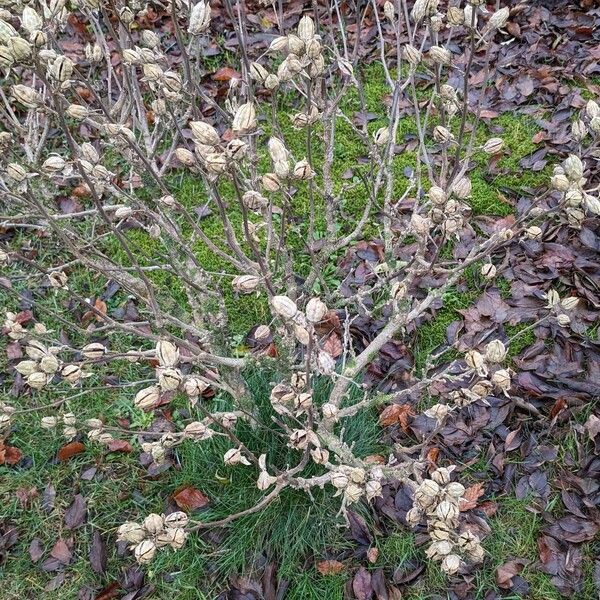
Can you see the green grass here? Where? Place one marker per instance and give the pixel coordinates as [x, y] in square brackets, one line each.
[289, 531]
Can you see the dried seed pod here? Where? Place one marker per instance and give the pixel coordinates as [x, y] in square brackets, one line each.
[185, 157]
[563, 320]
[77, 112]
[302, 335]
[244, 120]
[412, 55]
[49, 422]
[167, 353]
[235, 457]
[216, 162]
[442, 475]
[49, 364]
[262, 333]
[277, 150]
[254, 200]
[455, 16]
[591, 203]
[569, 303]
[467, 540]
[592, 109]
[204, 133]
[300, 439]
[493, 146]
[6, 57]
[573, 168]
[329, 411]
[146, 398]
[314, 49]
[442, 135]
[339, 480]
[150, 39]
[437, 412]
[16, 172]
[446, 511]
[303, 171]
[245, 284]
[71, 373]
[373, 489]
[19, 48]
[36, 350]
[437, 196]
[61, 69]
[284, 72]
[285, 307]
[438, 534]
[169, 378]
[475, 360]
[279, 44]
[462, 188]
[197, 431]
[455, 490]
[430, 488]
[282, 169]
[451, 564]
[534, 232]
[271, 182]
[199, 18]
[165, 537]
[272, 81]
[27, 367]
[502, 380]
[53, 164]
[258, 72]
[296, 46]
[320, 455]
[236, 149]
[414, 516]
[316, 309]
[381, 136]
[144, 552]
[476, 554]
[306, 28]
[579, 130]
[153, 523]
[440, 548]
[495, 351]
[131, 532]
[265, 481]
[30, 20]
[499, 18]
[423, 9]
[440, 55]
[481, 389]
[488, 270]
[37, 380]
[389, 11]
[352, 493]
[94, 423]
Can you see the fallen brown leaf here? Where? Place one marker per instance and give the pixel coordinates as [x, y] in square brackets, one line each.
[472, 494]
[396, 413]
[190, 498]
[330, 567]
[71, 449]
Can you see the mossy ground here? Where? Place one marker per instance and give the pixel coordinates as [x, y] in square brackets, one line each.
[295, 529]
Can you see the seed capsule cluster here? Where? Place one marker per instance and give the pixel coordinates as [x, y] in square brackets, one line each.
[437, 502]
[154, 533]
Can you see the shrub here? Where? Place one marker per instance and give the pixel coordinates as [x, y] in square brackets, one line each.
[112, 124]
